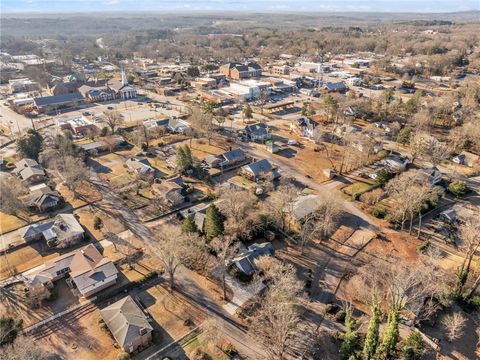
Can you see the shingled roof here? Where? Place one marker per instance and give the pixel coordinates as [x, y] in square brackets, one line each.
[126, 321]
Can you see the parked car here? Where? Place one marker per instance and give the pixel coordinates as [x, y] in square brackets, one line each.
[86, 113]
[292, 142]
[110, 107]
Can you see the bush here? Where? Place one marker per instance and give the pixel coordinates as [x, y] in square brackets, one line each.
[458, 188]
[423, 246]
[383, 176]
[372, 197]
[230, 350]
[123, 356]
[413, 346]
[475, 302]
[379, 212]
[198, 354]
[104, 131]
[331, 308]
[340, 316]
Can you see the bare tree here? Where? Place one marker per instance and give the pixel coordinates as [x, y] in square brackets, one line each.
[278, 318]
[328, 213]
[237, 205]
[10, 193]
[113, 119]
[202, 123]
[174, 249]
[282, 202]
[24, 349]
[454, 325]
[226, 248]
[170, 252]
[404, 192]
[372, 197]
[310, 228]
[73, 172]
[469, 233]
[36, 295]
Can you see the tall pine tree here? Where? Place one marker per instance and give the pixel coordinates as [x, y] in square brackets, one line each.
[213, 222]
[188, 156]
[390, 338]
[371, 338]
[181, 159]
[188, 225]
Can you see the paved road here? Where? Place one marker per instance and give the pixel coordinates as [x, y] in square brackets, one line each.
[186, 287]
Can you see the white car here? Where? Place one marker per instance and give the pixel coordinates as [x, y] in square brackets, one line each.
[292, 142]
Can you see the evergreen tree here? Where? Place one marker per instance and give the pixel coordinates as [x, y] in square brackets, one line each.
[181, 158]
[30, 145]
[390, 337]
[213, 222]
[371, 338]
[188, 225]
[413, 347]
[97, 223]
[349, 339]
[188, 156]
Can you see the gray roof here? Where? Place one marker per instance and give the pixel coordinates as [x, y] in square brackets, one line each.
[338, 86]
[140, 165]
[305, 205]
[126, 321]
[260, 167]
[43, 195]
[27, 168]
[64, 227]
[234, 154]
[257, 129]
[58, 100]
[246, 261]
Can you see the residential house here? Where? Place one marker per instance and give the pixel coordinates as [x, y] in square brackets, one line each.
[343, 130]
[245, 262]
[43, 198]
[239, 71]
[303, 206]
[88, 271]
[105, 144]
[46, 104]
[178, 126]
[257, 132]
[29, 171]
[227, 159]
[306, 126]
[63, 231]
[170, 191]
[259, 170]
[339, 87]
[433, 175]
[467, 158]
[396, 163]
[140, 165]
[153, 124]
[128, 324]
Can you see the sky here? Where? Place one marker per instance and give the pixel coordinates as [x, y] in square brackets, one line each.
[65, 6]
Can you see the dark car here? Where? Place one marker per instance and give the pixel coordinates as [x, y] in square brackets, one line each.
[110, 107]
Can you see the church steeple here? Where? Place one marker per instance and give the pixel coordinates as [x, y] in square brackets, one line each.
[124, 78]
